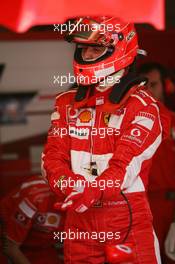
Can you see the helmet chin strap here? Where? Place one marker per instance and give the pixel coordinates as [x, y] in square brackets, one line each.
[102, 86]
[110, 81]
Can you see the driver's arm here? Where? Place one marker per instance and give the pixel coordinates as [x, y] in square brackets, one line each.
[12, 250]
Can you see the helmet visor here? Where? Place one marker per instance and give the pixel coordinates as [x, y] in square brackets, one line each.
[85, 31]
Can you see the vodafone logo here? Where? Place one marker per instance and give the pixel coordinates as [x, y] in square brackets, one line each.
[73, 113]
[124, 248]
[41, 219]
[20, 217]
[136, 135]
[135, 132]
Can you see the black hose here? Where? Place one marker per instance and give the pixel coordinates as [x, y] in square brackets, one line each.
[130, 217]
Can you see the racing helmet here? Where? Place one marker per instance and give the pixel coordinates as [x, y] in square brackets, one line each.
[118, 38]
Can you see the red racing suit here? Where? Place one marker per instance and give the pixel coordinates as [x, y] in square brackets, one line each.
[124, 152]
[161, 188]
[29, 220]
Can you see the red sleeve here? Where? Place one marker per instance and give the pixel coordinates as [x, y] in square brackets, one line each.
[56, 156]
[137, 144]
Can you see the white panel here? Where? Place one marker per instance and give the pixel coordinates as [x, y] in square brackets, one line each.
[31, 65]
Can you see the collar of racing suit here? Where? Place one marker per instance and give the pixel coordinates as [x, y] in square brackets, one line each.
[111, 96]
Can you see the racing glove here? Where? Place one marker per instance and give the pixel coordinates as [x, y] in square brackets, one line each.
[83, 197]
[66, 184]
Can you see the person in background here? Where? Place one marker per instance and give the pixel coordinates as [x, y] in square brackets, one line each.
[28, 223]
[161, 188]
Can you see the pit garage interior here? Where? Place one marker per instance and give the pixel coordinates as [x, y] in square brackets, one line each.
[33, 54]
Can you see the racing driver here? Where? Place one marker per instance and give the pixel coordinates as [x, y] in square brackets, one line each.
[109, 98]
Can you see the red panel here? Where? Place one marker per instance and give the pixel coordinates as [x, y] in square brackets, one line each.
[20, 15]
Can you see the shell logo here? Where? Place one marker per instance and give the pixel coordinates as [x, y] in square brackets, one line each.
[52, 219]
[85, 116]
